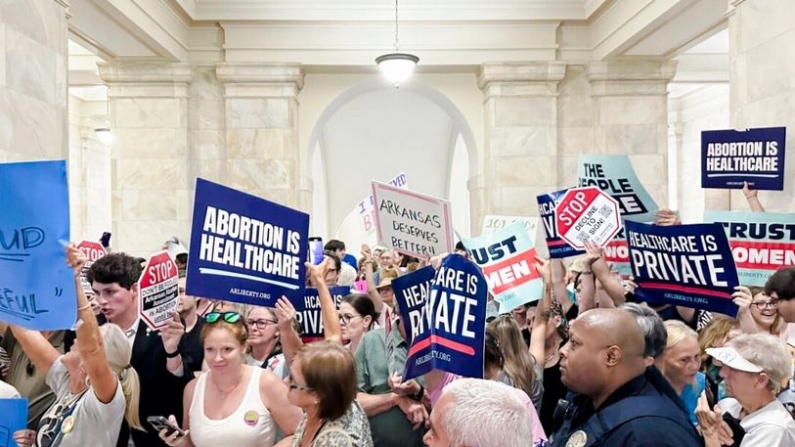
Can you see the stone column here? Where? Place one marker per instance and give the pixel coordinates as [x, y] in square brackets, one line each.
[148, 109]
[33, 88]
[520, 152]
[261, 110]
[762, 82]
[630, 116]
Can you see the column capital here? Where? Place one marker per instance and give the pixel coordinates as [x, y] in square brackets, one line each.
[146, 79]
[521, 78]
[636, 78]
[265, 79]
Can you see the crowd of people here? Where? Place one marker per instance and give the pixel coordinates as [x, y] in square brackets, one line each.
[586, 365]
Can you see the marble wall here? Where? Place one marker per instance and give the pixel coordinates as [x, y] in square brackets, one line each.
[33, 87]
[762, 81]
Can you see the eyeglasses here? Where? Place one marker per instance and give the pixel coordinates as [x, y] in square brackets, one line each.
[761, 305]
[295, 386]
[261, 324]
[229, 317]
[345, 319]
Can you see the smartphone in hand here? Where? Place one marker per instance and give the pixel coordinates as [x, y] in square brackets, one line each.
[159, 423]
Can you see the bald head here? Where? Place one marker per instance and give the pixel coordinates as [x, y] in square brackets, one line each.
[614, 327]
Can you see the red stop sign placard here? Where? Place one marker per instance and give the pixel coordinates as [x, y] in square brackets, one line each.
[158, 290]
[587, 214]
[92, 251]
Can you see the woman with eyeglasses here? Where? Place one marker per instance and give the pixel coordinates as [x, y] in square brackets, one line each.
[357, 316]
[323, 384]
[95, 386]
[263, 340]
[759, 313]
[232, 404]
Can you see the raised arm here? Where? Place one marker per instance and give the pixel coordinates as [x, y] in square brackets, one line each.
[92, 349]
[753, 200]
[601, 271]
[369, 276]
[291, 342]
[328, 310]
[539, 332]
[557, 284]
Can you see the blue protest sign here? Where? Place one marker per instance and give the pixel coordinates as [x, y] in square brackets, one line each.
[37, 287]
[684, 265]
[761, 242]
[15, 417]
[508, 261]
[246, 249]
[448, 329]
[731, 157]
[310, 318]
[558, 248]
[411, 294]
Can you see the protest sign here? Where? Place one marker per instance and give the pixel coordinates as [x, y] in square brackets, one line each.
[310, 318]
[246, 249]
[587, 214]
[684, 265]
[558, 248]
[731, 157]
[447, 330]
[92, 251]
[508, 261]
[14, 418]
[493, 223]
[158, 290]
[38, 288]
[761, 242]
[412, 223]
[412, 291]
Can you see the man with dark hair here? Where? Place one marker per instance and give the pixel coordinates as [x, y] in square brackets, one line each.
[155, 356]
[781, 287]
[333, 272]
[349, 268]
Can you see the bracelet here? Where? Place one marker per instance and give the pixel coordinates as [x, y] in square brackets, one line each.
[418, 395]
[87, 306]
[589, 272]
[171, 355]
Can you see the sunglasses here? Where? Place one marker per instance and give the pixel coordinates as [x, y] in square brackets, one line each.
[228, 317]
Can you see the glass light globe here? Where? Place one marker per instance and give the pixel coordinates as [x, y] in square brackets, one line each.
[397, 67]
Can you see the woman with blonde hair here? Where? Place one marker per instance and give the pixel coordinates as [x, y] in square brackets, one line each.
[95, 386]
[680, 363]
[520, 367]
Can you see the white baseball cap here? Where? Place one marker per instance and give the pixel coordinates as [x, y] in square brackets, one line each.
[731, 358]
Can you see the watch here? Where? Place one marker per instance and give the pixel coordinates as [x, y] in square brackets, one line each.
[418, 395]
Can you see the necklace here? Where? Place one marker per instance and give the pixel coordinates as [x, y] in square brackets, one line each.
[226, 393]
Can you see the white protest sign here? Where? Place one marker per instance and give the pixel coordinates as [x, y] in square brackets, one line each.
[158, 290]
[412, 223]
[493, 223]
[92, 251]
[587, 214]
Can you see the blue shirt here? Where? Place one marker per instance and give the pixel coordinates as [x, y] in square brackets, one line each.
[691, 393]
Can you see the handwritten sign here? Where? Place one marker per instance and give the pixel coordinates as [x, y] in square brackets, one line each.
[761, 243]
[508, 261]
[37, 288]
[92, 251]
[158, 290]
[366, 206]
[246, 249]
[447, 324]
[311, 318]
[558, 248]
[412, 223]
[493, 223]
[14, 417]
[685, 265]
[731, 157]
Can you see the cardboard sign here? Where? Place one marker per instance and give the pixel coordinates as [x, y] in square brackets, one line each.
[246, 249]
[311, 318]
[684, 265]
[412, 223]
[366, 207]
[15, 418]
[731, 157]
[587, 214]
[558, 248]
[92, 251]
[508, 261]
[493, 223]
[761, 242]
[38, 288]
[448, 329]
[158, 290]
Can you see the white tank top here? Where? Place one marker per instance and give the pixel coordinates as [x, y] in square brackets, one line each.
[250, 425]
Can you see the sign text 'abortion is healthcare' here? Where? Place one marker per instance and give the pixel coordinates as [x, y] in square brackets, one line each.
[731, 157]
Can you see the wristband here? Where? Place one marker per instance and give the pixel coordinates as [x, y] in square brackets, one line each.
[418, 395]
[171, 355]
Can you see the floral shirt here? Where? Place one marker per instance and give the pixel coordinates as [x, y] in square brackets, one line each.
[351, 430]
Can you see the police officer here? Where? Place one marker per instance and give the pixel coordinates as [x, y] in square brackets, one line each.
[614, 405]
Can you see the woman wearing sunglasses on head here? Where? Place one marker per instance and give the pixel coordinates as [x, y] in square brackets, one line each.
[94, 384]
[323, 384]
[233, 404]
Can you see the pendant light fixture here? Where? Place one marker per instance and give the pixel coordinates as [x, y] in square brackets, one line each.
[397, 67]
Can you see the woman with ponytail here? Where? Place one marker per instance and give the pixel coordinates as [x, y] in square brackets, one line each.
[95, 386]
